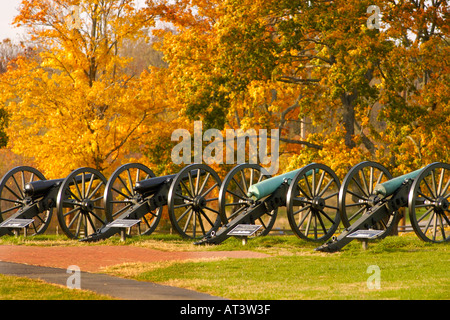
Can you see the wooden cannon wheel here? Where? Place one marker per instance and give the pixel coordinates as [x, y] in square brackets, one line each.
[120, 195]
[13, 198]
[79, 204]
[428, 203]
[312, 203]
[357, 195]
[193, 201]
[233, 198]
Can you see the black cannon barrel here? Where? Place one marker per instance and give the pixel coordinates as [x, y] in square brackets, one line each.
[41, 187]
[153, 184]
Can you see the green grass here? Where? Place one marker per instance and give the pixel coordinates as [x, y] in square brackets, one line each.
[18, 288]
[409, 268]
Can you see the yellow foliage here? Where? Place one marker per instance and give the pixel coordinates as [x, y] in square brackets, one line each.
[71, 105]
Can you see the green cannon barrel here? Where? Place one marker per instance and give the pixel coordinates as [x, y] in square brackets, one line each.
[388, 188]
[267, 187]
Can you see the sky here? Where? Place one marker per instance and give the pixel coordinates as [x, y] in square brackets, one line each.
[8, 10]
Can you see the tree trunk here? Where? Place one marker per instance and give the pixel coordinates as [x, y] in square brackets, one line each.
[348, 116]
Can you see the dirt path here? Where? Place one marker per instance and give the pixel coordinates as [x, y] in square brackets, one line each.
[93, 258]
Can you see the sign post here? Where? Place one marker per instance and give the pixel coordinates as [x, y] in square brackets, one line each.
[244, 231]
[123, 224]
[17, 224]
[365, 235]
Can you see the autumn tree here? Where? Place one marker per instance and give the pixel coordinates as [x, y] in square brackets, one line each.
[415, 82]
[73, 104]
[9, 51]
[317, 65]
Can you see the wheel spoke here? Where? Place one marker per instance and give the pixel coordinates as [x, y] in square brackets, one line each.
[71, 211]
[186, 225]
[91, 181]
[425, 214]
[360, 187]
[209, 190]
[197, 182]
[365, 182]
[325, 188]
[187, 189]
[75, 218]
[18, 188]
[442, 227]
[130, 181]
[204, 183]
[183, 196]
[300, 210]
[441, 179]
[244, 181]
[444, 190]
[115, 214]
[302, 220]
[235, 194]
[11, 200]
[357, 213]
[182, 205]
[240, 187]
[356, 195]
[305, 178]
[326, 216]
[183, 214]
[206, 217]
[319, 184]
[380, 177]
[10, 190]
[235, 213]
[121, 193]
[191, 184]
[96, 216]
[324, 229]
[95, 191]
[130, 194]
[371, 180]
[80, 195]
[211, 209]
[429, 189]
[9, 209]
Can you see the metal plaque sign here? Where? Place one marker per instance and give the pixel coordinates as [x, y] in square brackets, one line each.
[124, 223]
[365, 234]
[16, 223]
[244, 230]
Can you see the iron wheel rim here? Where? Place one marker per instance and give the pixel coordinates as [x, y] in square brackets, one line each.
[318, 200]
[430, 192]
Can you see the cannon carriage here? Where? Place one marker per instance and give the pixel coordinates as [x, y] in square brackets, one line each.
[27, 201]
[249, 196]
[370, 200]
[135, 200]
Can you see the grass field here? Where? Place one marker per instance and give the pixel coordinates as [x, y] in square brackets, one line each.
[18, 288]
[399, 268]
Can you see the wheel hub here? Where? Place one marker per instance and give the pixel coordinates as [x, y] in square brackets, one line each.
[87, 205]
[442, 204]
[318, 203]
[199, 203]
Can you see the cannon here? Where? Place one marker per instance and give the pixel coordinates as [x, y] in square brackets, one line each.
[27, 201]
[249, 196]
[370, 199]
[135, 198]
